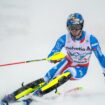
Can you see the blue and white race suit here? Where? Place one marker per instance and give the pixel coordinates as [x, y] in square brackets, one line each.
[78, 55]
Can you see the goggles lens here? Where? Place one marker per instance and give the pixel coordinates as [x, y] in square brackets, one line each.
[75, 27]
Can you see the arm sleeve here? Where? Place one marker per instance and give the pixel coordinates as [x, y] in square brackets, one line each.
[60, 43]
[97, 51]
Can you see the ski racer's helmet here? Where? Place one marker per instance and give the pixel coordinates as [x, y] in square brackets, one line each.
[75, 21]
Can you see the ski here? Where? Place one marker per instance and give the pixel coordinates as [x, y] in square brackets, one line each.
[28, 101]
[76, 89]
[69, 91]
[37, 88]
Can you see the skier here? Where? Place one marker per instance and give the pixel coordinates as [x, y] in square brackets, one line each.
[79, 45]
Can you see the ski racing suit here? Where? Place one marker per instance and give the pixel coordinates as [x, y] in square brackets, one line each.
[78, 55]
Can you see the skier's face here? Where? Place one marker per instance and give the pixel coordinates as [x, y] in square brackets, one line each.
[75, 30]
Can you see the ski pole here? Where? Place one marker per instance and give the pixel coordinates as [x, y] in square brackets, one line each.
[56, 56]
[22, 62]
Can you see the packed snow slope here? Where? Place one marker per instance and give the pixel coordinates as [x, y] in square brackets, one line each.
[29, 29]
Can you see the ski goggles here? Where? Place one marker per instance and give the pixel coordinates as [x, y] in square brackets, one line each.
[75, 27]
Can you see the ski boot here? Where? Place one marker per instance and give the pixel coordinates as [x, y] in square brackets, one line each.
[28, 88]
[53, 84]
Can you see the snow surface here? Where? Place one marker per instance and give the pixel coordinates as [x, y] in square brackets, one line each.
[29, 29]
